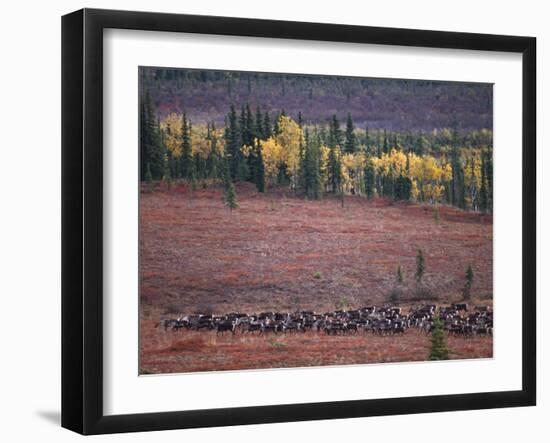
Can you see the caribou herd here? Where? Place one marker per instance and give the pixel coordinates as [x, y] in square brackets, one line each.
[457, 319]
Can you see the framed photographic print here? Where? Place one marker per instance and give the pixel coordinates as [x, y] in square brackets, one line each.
[270, 221]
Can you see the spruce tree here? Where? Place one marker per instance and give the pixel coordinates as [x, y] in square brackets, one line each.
[186, 158]
[334, 165]
[334, 169]
[151, 146]
[267, 126]
[469, 276]
[489, 167]
[350, 144]
[232, 144]
[250, 128]
[335, 133]
[386, 146]
[230, 197]
[457, 181]
[260, 168]
[303, 157]
[149, 178]
[483, 190]
[144, 161]
[212, 161]
[312, 165]
[473, 186]
[399, 275]
[420, 266]
[439, 350]
[258, 126]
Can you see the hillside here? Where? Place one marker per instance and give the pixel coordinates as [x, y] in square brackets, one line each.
[281, 253]
[377, 103]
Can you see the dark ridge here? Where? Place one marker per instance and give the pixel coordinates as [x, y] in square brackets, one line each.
[393, 104]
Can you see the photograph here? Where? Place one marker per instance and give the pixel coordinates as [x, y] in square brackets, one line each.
[296, 220]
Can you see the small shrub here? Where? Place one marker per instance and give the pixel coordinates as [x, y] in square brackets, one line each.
[439, 350]
[317, 275]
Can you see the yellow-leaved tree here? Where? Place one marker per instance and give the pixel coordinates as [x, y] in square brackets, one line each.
[283, 151]
[273, 155]
[290, 137]
[428, 178]
[172, 130]
[353, 166]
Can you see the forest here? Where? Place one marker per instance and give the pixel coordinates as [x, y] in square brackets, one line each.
[312, 159]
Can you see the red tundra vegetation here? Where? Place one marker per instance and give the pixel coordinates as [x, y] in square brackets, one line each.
[280, 252]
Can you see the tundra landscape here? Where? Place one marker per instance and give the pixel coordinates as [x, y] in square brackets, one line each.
[273, 238]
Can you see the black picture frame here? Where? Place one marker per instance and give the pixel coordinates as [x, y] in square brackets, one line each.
[82, 218]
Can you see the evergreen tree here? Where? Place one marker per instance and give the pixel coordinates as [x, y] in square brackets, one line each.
[489, 175]
[386, 146]
[312, 165]
[150, 138]
[483, 193]
[230, 197]
[396, 144]
[334, 165]
[335, 133]
[399, 275]
[469, 168]
[457, 181]
[403, 186]
[334, 169]
[186, 158]
[267, 126]
[258, 126]
[420, 266]
[486, 185]
[232, 144]
[260, 168]
[350, 144]
[467, 290]
[303, 154]
[149, 178]
[439, 350]
[250, 129]
[213, 159]
[144, 166]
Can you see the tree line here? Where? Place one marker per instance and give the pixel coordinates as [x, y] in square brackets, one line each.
[273, 149]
